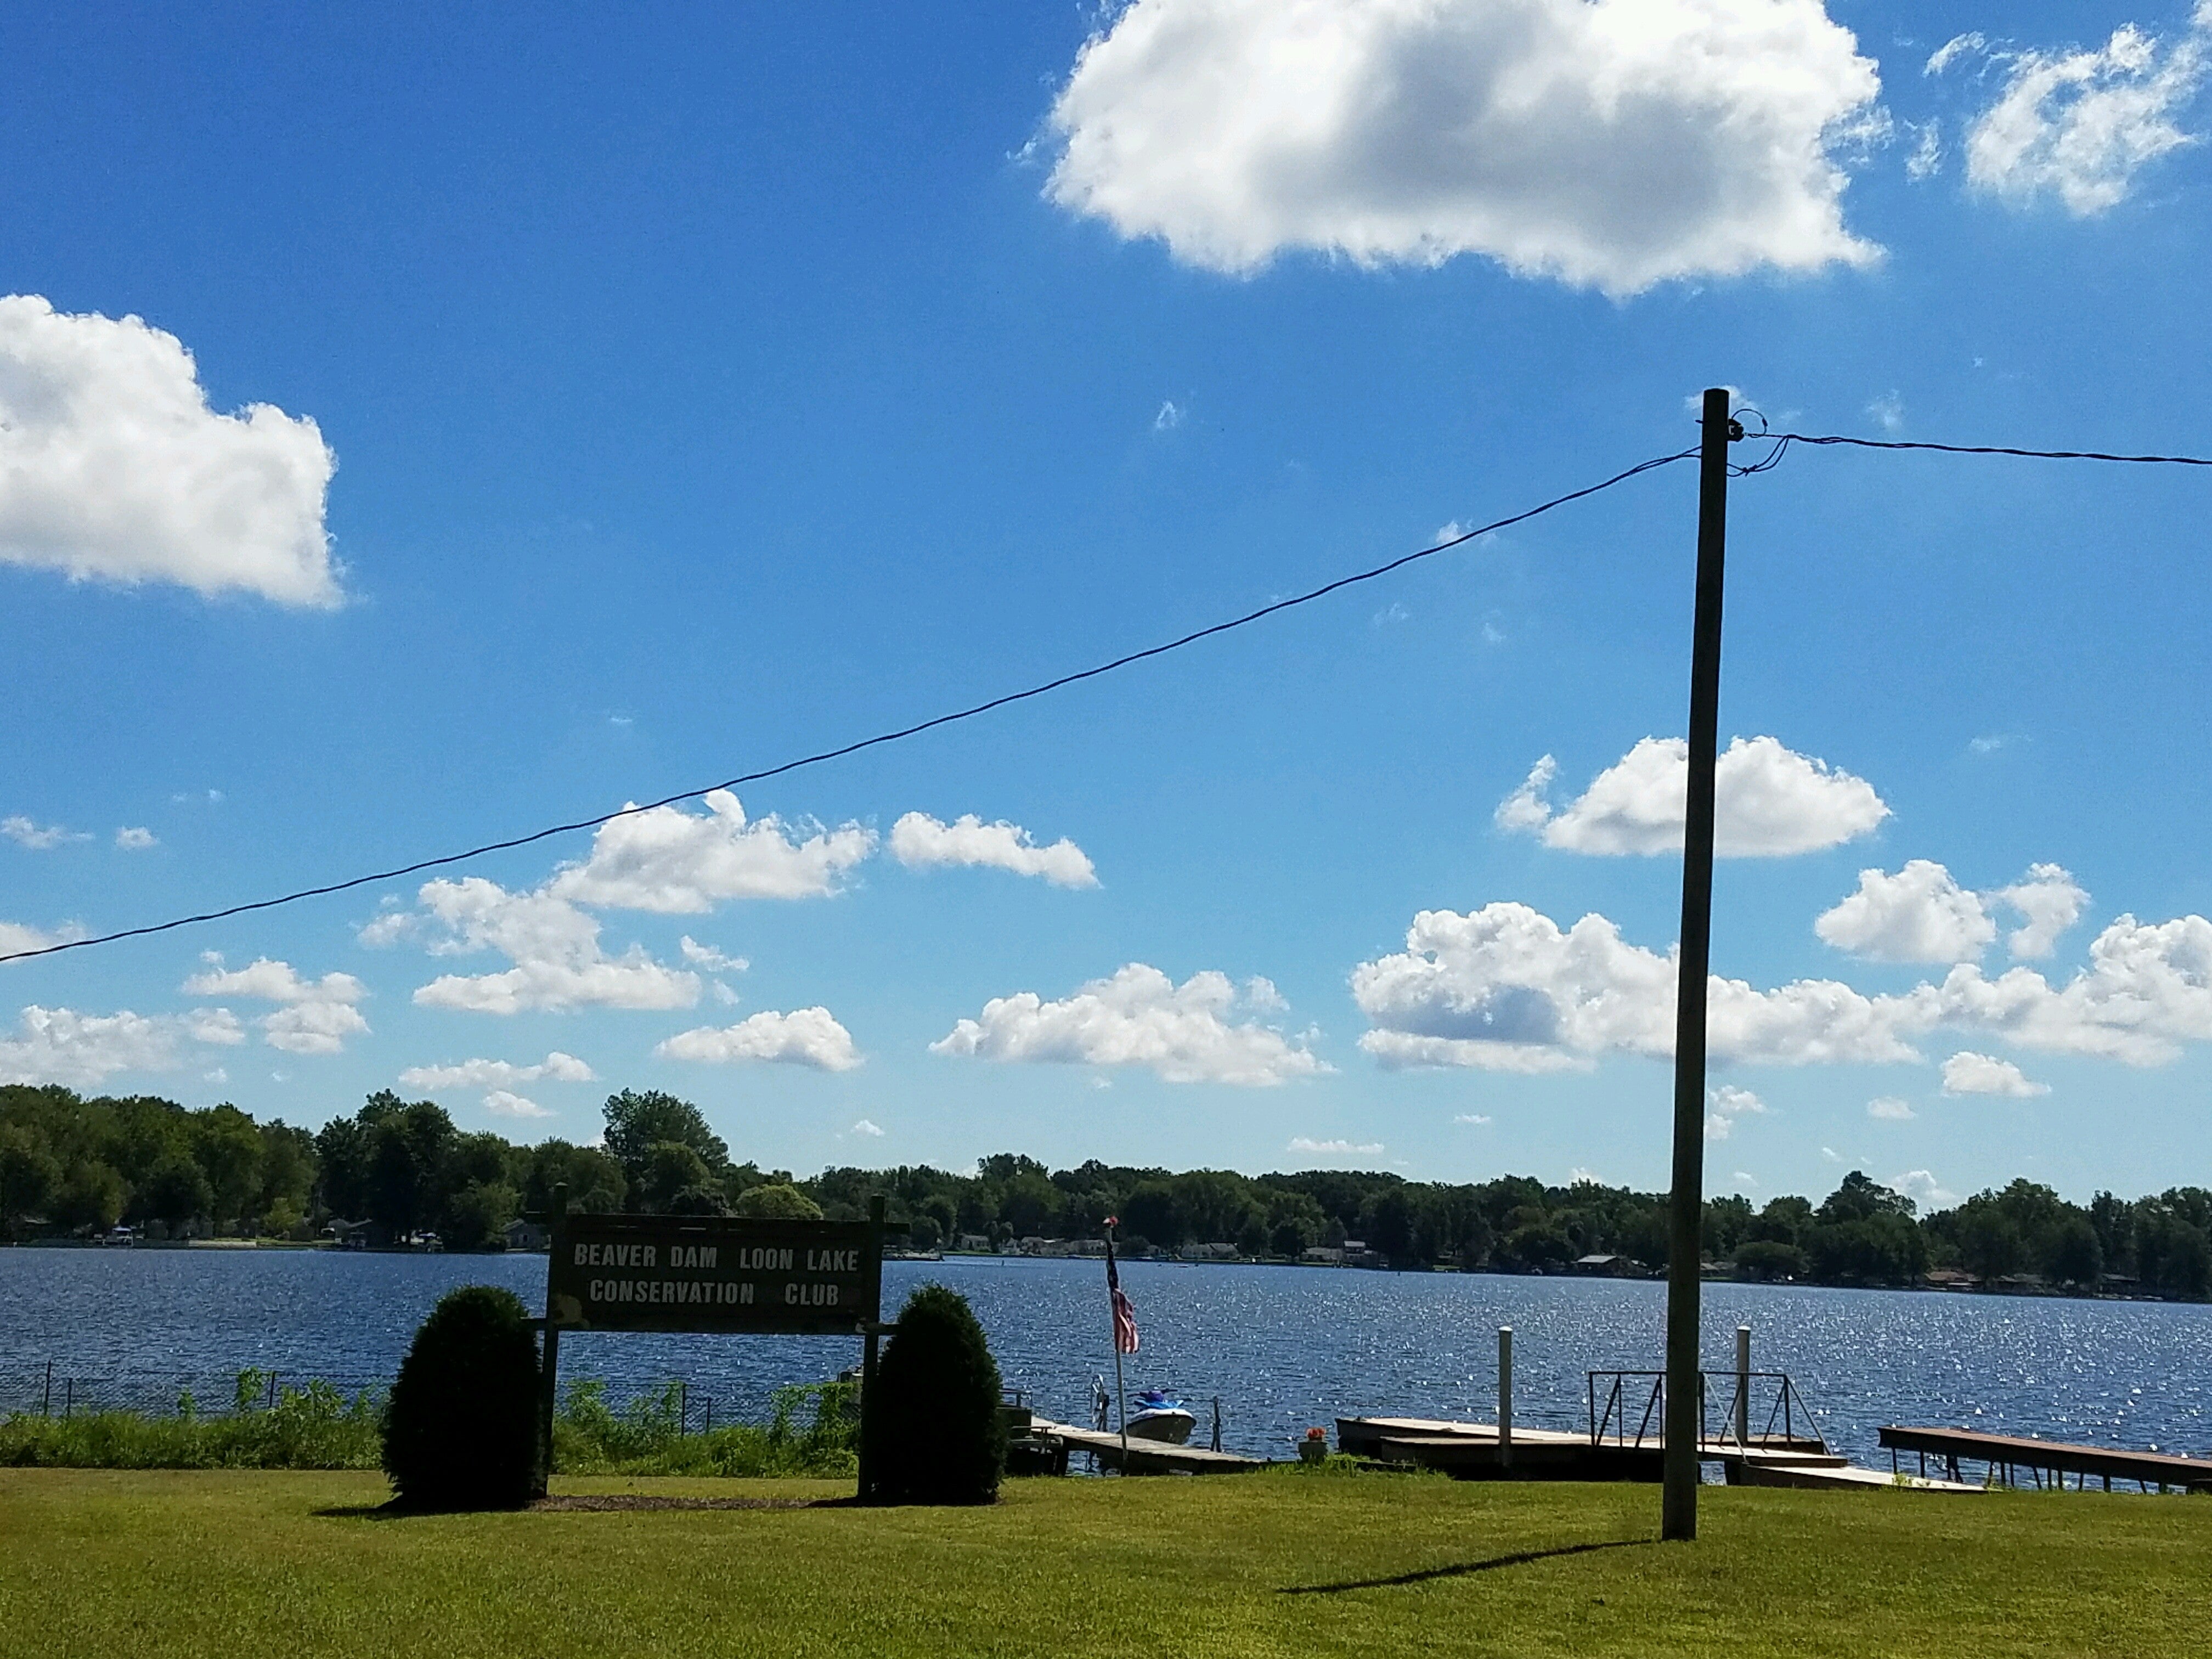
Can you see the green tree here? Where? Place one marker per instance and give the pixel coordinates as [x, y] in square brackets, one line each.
[776, 1202]
[671, 1168]
[938, 1437]
[177, 1192]
[90, 1197]
[29, 1177]
[476, 1217]
[460, 1429]
[638, 1122]
[227, 1147]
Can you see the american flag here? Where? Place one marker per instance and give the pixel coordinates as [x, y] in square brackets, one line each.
[1125, 1316]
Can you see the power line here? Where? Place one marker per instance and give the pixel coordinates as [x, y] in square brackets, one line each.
[1781, 441]
[881, 738]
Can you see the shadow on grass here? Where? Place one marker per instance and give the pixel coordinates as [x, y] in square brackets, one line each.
[1461, 1569]
[598, 1503]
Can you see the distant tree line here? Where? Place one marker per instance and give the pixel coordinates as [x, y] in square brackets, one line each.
[73, 1165]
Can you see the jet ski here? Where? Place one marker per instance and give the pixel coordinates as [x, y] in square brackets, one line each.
[1160, 1417]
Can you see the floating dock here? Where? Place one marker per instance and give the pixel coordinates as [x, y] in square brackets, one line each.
[1143, 1456]
[2047, 1462]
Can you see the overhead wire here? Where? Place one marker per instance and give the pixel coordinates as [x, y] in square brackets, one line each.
[969, 712]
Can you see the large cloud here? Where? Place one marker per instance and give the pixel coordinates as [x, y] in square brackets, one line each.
[684, 863]
[1922, 914]
[1506, 989]
[1768, 802]
[315, 1016]
[805, 1037]
[920, 841]
[1969, 1073]
[114, 468]
[559, 963]
[1918, 915]
[1609, 143]
[1185, 1033]
[81, 1051]
[2080, 124]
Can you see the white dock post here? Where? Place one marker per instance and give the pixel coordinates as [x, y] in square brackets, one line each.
[1505, 1395]
[1743, 1386]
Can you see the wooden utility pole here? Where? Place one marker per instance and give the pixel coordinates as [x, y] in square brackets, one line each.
[1686, 1203]
[549, 1362]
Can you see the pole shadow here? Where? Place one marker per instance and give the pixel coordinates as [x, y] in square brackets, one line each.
[1461, 1569]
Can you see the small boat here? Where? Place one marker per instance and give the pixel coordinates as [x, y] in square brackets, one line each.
[1160, 1417]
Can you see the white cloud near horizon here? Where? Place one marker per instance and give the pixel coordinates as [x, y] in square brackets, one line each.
[1313, 1148]
[559, 963]
[920, 841]
[1922, 914]
[677, 862]
[1768, 801]
[81, 1051]
[1924, 1190]
[805, 1037]
[113, 467]
[1140, 1016]
[2078, 125]
[315, 1016]
[1505, 989]
[503, 1102]
[1969, 1073]
[497, 1073]
[1611, 144]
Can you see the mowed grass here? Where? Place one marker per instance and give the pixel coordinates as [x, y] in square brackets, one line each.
[279, 1565]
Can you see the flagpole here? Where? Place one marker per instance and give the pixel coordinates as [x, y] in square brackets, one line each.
[1114, 1335]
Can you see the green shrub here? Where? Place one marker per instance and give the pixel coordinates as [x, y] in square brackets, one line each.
[312, 1428]
[460, 1431]
[938, 1436]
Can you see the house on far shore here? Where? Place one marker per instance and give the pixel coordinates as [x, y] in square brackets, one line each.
[1322, 1255]
[1950, 1278]
[526, 1235]
[1605, 1266]
[974, 1244]
[1208, 1253]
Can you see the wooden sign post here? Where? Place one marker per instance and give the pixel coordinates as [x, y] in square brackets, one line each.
[733, 1275]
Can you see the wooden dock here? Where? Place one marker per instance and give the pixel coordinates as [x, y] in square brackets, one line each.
[1144, 1456]
[1472, 1451]
[2048, 1462]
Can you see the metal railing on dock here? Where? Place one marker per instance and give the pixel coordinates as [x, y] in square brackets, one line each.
[1771, 1400]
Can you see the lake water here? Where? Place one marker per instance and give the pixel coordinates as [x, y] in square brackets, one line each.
[1283, 1348]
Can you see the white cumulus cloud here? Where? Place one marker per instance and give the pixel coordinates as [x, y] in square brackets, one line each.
[113, 467]
[559, 963]
[874, 1131]
[81, 1051]
[502, 1103]
[1729, 1103]
[1768, 801]
[1969, 1073]
[1924, 1190]
[2080, 124]
[17, 936]
[805, 1037]
[677, 862]
[1890, 1110]
[497, 1073]
[2051, 900]
[1607, 143]
[316, 1015]
[709, 958]
[1185, 1033]
[1505, 989]
[132, 840]
[920, 842]
[1922, 914]
[1313, 1148]
[1918, 915]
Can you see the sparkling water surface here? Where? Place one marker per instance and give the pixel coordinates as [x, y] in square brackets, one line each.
[1283, 1348]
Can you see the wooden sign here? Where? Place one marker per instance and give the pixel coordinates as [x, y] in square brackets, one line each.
[669, 1272]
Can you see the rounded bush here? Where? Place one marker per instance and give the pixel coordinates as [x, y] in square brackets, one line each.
[460, 1431]
[938, 1437]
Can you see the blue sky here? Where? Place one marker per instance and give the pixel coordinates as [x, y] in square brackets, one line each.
[722, 384]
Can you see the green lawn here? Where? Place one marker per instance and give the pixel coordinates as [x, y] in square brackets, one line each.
[266, 1566]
